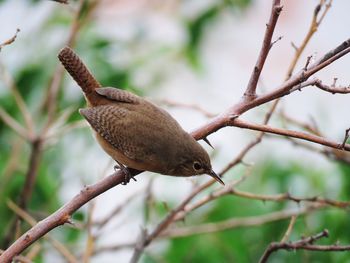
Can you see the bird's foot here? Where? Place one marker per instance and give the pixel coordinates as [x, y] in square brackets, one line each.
[126, 172]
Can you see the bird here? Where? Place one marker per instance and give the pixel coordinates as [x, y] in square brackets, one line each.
[136, 133]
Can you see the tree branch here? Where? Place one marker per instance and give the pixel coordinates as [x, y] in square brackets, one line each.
[250, 92]
[62, 215]
[237, 222]
[305, 244]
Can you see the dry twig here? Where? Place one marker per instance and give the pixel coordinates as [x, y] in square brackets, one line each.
[10, 40]
[304, 244]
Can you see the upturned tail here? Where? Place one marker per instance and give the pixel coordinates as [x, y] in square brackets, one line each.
[80, 73]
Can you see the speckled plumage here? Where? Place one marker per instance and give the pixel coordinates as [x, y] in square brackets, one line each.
[141, 131]
[135, 132]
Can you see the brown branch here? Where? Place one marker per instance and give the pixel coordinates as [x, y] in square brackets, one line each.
[10, 83]
[294, 81]
[315, 23]
[298, 51]
[230, 190]
[55, 243]
[290, 133]
[28, 186]
[62, 215]
[304, 244]
[10, 40]
[61, 1]
[286, 235]
[13, 124]
[20, 259]
[32, 171]
[332, 89]
[346, 137]
[318, 83]
[113, 248]
[250, 92]
[236, 222]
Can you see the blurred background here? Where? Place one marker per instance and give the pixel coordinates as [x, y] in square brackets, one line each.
[194, 58]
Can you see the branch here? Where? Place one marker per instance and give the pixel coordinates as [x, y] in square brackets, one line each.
[318, 83]
[332, 89]
[62, 215]
[28, 119]
[30, 177]
[290, 133]
[55, 243]
[305, 244]
[230, 190]
[13, 124]
[250, 92]
[315, 23]
[237, 222]
[286, 235]
[11, 40]
[20, 259]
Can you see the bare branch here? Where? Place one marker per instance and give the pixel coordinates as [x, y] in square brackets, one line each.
[250, 92]
[314, 25]
[13, 124]
[289, 133]
[62, 215]
[10, 40]
[20, 259]
[55, 243]
[19, 100]
[305, 244]
[332, 89]
[346, 137]
[236, 222]
[286, 235]
[61, 1]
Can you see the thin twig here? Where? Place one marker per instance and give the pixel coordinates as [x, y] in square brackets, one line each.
[13, 124]
[304, 244]
[293, 134]
[250, 92]
[236, 222]
[286, 235]
[314, 25]
[10, 40]
[19, 100]
[346, 137]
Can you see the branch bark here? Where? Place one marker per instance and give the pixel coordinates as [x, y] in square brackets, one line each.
[304, 244]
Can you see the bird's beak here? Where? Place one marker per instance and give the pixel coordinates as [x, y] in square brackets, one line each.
[216, 177]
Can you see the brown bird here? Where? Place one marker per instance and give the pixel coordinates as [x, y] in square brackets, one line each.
[133, 131]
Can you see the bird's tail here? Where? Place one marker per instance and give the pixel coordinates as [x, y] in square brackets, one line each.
[80, 73]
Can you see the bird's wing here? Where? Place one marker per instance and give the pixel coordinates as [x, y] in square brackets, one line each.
[118, 95]
[126, 130]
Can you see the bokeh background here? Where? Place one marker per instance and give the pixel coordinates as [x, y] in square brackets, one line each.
[193, 52]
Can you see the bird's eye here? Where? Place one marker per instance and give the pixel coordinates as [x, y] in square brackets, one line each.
[197, 166]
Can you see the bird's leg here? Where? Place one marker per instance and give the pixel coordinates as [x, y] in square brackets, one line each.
[126, 172]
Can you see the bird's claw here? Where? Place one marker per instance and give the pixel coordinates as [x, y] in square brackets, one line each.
[126, 172]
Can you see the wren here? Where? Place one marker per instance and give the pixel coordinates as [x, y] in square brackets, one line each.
[136, 133]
